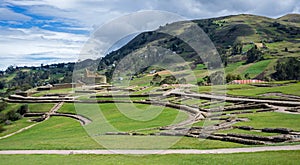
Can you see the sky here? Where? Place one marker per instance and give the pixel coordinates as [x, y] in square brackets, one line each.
[33, 32]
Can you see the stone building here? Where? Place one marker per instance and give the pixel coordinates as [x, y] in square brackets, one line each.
[93, 78]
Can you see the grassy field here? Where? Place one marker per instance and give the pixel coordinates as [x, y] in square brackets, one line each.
[66, 133]
[55, 133]
[11, 106]
[250, 90]
[67, 108]
[194, 143]
[15, 126]
[115, 117]
[35, 107]
[137, 116]
[233, 66]
[256, 68]
[273, 157]
[54, 91]
[271, 120]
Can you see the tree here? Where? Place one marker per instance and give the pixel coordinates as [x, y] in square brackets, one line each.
[254, 55]
[247, 76]
[231, 77]
[237, 48]
[3, 105]
[169, 80]
[155, 80]
[201, 82]
[13, 116]
[2, 84]
[287, 69]
[182, 81]
[216, 78]
[23, 109]
[10, 69]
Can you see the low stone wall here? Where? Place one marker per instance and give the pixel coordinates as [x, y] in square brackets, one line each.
[277, 130]
[245, 106]
[18, 97]
[118, 95]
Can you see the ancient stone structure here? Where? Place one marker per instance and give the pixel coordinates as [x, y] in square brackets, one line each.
[93, 78]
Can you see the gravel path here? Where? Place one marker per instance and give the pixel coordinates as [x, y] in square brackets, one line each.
[150, 152]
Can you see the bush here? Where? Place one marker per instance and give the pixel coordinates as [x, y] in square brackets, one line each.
[231, 77]
[3, 118]
[254, 55]
[155, 80]
[3, 105]
[169, 80]
[1, 128]
[23, 109]
[13, 115]
[287, 69]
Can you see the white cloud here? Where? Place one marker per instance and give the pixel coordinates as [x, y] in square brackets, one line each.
[35, 46]
[8, 15]
[22, 44]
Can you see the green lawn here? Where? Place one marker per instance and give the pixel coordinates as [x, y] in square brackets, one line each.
[127, 117]
[54, 91]
[195, 143]
[249, 90]
[55, 133]
[67, 108]
[66, 133]
[11, 106]
[271, 157]
[15, 126]
[37, 107]
[271, 120]
[114, 116]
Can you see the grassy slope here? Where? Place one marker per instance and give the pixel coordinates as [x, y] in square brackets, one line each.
[55, 133]
[248, 90]
[36, 107]
[256, 68]
[123, 123]
[274, 157]
[272, 120]
[54, 91]
[15, 126]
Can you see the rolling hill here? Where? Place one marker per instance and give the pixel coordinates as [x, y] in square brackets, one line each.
[233, 36]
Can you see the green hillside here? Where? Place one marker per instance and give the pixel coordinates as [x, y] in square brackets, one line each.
[241, 40]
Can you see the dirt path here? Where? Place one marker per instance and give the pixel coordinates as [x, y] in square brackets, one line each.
[281, 109]
[20, 130]
[150, 152]
[53, 110]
